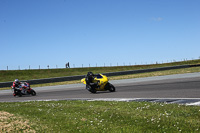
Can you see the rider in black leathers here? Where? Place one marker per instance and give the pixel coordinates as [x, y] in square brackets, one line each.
[89, 80]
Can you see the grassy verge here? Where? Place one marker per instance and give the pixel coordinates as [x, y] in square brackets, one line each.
[158, 73]
[83, 116]
[50, 73]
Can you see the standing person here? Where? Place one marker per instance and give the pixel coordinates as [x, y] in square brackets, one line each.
[68, 65]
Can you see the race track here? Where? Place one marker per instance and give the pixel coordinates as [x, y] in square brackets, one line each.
[181, 86]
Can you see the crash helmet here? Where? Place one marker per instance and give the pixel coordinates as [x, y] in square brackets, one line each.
[16, 81]
[90, 74]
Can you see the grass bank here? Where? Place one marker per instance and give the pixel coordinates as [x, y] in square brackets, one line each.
[50, 73]
[141, 75]
[100, 116]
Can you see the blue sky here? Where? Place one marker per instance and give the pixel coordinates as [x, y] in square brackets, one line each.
[53, 32]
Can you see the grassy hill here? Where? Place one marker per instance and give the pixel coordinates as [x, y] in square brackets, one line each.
[10, 75]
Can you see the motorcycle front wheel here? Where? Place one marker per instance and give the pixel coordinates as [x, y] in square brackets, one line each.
[112, 88]
[33, 93]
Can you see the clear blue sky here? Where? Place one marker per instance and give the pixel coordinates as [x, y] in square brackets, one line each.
[53, 32]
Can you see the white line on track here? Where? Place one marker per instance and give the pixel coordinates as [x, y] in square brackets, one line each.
[182, 101]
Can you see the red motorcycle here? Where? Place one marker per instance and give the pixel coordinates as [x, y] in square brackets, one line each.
[23, 89]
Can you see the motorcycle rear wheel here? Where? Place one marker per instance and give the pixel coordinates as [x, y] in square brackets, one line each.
[93, 91]
[17, 93]
[89, 88]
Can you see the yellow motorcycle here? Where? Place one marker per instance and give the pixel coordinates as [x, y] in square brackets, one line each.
[102, 84]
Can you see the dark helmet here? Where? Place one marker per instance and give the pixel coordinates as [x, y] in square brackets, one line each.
[90, 74]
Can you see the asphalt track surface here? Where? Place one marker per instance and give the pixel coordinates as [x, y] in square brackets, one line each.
[182, 87]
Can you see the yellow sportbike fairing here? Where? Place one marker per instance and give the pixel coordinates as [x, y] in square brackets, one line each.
[103, 83]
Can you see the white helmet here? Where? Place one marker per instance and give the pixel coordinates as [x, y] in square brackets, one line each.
[16, 81]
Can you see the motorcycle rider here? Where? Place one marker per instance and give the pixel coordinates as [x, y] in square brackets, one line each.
[89, 80]
[17, 83]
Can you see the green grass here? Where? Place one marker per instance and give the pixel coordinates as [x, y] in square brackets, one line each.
[100, 116]
[83, 116]
[50, 73]
[148, 74]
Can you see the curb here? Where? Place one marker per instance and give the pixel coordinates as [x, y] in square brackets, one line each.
[180, 101]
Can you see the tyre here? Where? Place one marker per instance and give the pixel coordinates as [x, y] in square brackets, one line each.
[89, 88]
[112, 88]
[33, 93]
[18, 93]
[93, 91]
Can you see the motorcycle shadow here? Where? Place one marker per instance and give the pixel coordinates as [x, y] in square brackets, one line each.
[24, 96]
[102, 92]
